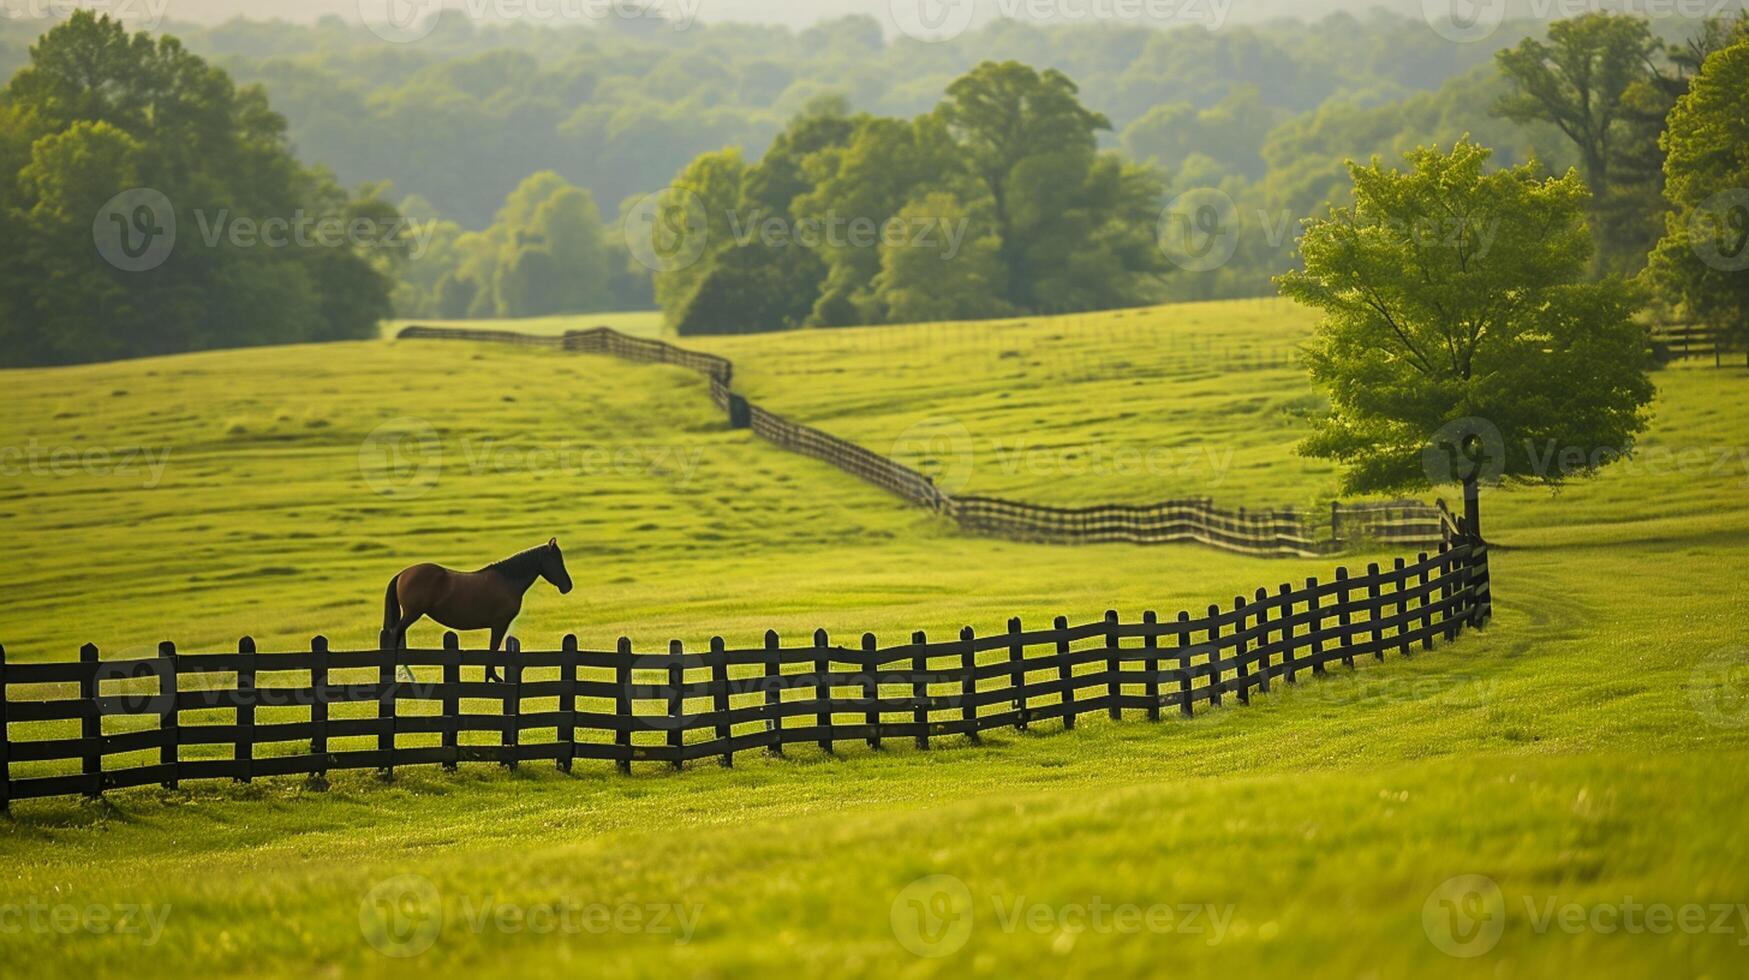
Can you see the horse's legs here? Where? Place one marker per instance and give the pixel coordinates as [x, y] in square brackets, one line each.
[497, 638]
[407, 621]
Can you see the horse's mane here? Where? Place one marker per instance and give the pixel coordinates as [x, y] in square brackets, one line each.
[523, 563]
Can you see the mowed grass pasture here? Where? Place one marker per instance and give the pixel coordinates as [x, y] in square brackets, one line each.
[1588, 748]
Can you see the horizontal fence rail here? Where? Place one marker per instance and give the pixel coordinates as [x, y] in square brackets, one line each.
[1258, 533]
[92, 725]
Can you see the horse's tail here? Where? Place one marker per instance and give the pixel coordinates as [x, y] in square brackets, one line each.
[391, 606]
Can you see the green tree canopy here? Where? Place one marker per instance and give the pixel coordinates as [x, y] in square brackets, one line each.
[99, 112]
[1452, 294]
[1703, 259]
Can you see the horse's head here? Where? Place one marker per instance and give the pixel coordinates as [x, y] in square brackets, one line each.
[552, 567]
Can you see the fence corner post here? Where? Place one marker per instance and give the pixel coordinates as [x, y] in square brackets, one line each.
[823, 689]
[1017, 673]
[1185, 699]
[387, 655]
[452, 700]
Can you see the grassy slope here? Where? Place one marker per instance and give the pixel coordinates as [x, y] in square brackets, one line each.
[1561, 753]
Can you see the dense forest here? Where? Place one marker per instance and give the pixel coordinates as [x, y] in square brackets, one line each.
[521, 150]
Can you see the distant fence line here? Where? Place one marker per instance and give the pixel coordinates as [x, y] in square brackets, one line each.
[1680, 341]
[1257, 533]
[676, 706]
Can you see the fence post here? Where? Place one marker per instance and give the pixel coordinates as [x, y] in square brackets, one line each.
[920, 687]
[318, 710]
[1214, 631]
[1447, 590]
[676, 700]
[1065, 672]
[1151, 643]
[1283, 627]
[1185, 707]
[169, 751]
[1373, 598]
[90, 722]
[1315, 613]
[1344, 617]
[1239, 651]
[5, 743]
[1113, 668]
[969, 684]
[773, 695]
[622, 706]
[567, 733]
[872, 691]
[452, 700]
[245, 750]
[720, 696]
[1402, 607]
[1426, 604]
[1017, 672]
[823, 690]
[387, 655]
[510, 741]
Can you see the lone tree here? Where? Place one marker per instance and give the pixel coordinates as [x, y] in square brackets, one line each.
[1704, 256]
[1461, 341]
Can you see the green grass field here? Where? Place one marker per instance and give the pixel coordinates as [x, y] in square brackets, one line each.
[1587, 750]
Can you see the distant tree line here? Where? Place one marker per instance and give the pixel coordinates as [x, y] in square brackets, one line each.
[998, 202]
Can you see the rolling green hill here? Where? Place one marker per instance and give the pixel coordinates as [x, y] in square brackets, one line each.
[1585, 749]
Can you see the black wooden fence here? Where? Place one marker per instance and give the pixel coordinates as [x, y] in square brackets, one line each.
[96, 725]
[1257, 533]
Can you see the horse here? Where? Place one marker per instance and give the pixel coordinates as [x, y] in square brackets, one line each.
[487, 599]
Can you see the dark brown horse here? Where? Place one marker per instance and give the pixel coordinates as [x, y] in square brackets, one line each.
[487, 599]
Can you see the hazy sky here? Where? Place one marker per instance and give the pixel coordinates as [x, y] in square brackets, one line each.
[792, 12]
